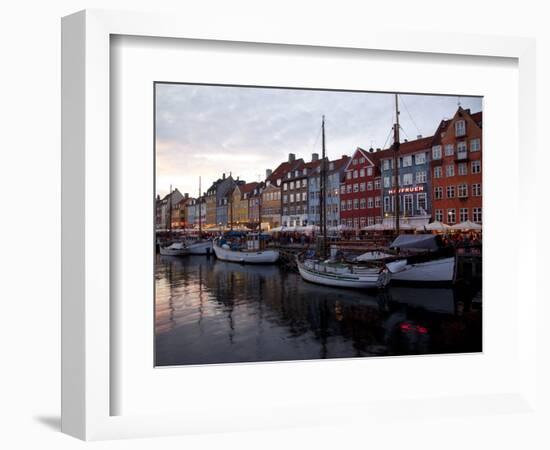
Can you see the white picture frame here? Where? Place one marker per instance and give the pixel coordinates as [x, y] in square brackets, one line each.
[86, 248]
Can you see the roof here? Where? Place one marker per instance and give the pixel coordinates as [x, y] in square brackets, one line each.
[406, 148]
[280, 171]
[248, 187]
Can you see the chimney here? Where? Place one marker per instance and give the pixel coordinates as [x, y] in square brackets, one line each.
[223, 176]
[371, 150]
[291, 157]
[186, 195]
[418, 136]
[268, 173]
[314, 157]
[378, 149]
[406, 140]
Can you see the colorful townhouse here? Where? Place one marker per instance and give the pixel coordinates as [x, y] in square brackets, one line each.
[456, 167]
[254, 197]
[294, 194]
[335, 174]
[360, 192]
[413, 183]
[239, 203]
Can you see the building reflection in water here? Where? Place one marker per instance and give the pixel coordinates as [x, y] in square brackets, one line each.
[209, 311]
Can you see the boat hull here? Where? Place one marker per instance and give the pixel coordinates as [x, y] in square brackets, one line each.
[165, 251]
[200, 248]
[368, 279]
[436, 271]
[253, 257]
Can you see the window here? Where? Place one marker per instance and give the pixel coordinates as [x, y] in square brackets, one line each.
[475, 145]
[285, 198]
[362, 221]
[361, 160]
[370, 202]
[476, 213]
[407, 161]
[450, 170]
[304, 172]
[463, 214]
[369, 186]
[462, 191]
[304, 182]
[291, 198]
[387, 182]
[362, 187]
[476, 190]
[439, 215]
[438, 172]
[461, 150]
[450, 192]
[361, 172]
[408, 202]
[355, 187]
[285, 186]
[296, 173]
[349, 205]
[355, 174]
[377, 183]
[460, 128]
[422, 202]
[421, 176]
[369, 171]
[462, 169]
[343, 189]
[348, 175]
[377, 202]
[354, 162]
[363, 203]
[370, 220]
[476, 166]
[449, 150]
[355, 203]
[387, 204]
[289, 175]
[387, 164]
[436, 152]
[438, 193]
[356, 222]
[349, 187]
[451, 216]
[420, 158]
[304, 196]
[407, 179]
[292, 185]
[343, 205]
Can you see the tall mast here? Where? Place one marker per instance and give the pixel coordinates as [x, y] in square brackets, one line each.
[395, 167]
[231, 210]
[200, 209]
[259, 208]
[322, 202]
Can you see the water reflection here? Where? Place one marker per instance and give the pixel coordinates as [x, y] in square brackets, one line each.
[209, 311]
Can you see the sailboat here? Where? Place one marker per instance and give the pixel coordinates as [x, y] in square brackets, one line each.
[330, 272]
[199, 246]
[413, 258]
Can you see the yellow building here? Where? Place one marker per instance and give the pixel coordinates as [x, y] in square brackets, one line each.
[238, 212]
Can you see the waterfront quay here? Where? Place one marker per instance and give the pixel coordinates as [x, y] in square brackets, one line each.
[211, 311]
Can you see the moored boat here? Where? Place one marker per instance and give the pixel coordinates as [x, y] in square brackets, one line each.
[174, 249]
[199, 247]
[417, 258]
[345, 275]
[251, 254]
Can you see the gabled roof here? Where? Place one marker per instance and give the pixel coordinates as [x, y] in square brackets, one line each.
[363, 153]
[248, 187]
[407, 148]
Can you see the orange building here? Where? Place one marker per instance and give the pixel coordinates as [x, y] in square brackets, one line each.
[456, 169]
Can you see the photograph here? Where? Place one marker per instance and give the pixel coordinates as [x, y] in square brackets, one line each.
[296, 224]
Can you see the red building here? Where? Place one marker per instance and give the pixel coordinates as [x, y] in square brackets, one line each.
[360, 192]
[456, 169]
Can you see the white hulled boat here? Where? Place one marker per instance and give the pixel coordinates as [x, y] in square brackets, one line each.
[174, 249]
[417, 258]
[251, 254]
[343, 275]
[199, 247]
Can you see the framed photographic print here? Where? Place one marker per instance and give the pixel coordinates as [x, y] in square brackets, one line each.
[252, 218]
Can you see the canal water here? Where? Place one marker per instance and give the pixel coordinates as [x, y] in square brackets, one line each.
[209, 311]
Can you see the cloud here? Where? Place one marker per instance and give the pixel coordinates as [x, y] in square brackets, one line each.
[209, 130]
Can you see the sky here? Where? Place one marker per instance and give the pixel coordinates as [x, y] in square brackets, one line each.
[210, 130]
